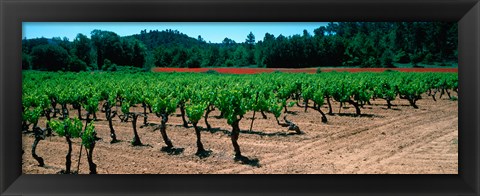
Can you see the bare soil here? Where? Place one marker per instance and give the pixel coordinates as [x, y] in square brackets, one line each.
[401, 140]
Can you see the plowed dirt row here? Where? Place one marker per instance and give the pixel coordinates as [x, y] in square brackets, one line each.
[387, 141]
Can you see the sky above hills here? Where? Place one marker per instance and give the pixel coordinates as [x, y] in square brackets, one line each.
[213, 32]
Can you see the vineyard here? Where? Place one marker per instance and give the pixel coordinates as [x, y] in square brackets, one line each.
[95, 110]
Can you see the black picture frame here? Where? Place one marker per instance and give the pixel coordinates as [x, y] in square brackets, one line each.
[14, 12]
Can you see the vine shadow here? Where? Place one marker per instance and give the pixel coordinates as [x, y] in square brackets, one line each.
[395, 109]
[141, 145]
[172, 150]
[204, 154]
[149, 124]
[361, 115]
[292, 112]
[254, 162]
[260, 133]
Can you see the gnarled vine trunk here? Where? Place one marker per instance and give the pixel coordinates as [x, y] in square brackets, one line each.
[64, 111]
[412, 100]
[92, 166]
[68, 162]
[25, 126]
[413, 103]
[306, 105]
[297, 98]
[200, 149]
[448, 93]
[254, 112]
[234, 137]
[53, 103]
[163, 131]
[356, 105]
[144, 105]
[136, 139]
[264, 116]
[206, 118]
[253, 118]
[39, 135]
[324, 117]
[182, 112]
[47, 115]
[330, 111]
[109, 117]
[79, 110]
[292, 126]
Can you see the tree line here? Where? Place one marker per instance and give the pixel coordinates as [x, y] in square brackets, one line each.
[364, 44]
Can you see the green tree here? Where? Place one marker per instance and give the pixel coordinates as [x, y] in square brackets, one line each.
[26, 61]
[228, 42]
[83, 50]
[241, 56]
[250, 42]
[77, 65]
[194, 58]
[108, 46]
[211, 57]
[163, 57]
[50, 57]
[180, 57]
[134, 52]
[109, 66]
[62, 42]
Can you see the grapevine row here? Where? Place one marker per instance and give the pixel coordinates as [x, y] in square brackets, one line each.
[49, 94]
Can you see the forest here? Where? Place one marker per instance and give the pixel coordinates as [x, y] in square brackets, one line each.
[339, 44]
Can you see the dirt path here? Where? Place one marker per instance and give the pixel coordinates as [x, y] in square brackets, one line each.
[399, 140]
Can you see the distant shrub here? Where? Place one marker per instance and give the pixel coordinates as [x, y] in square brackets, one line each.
[229, 63]
[49, 57]
[390, 70]
[129, 69]
[353, 62]
[193, 63]
[109, 66]
[77, 65]
[387, 62]
[211, 71]
[26, 61]
[387, 59]
[443, 64]
[415, 58]
[428, 59]
[92, 67]
[370, 62]
[318, 71]
[401, 57]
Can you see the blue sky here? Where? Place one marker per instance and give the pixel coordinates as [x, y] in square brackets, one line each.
[214, 32]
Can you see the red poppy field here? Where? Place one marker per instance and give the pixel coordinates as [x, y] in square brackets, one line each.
[301, 70]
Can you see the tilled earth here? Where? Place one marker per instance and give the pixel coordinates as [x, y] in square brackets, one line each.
[401, 140]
